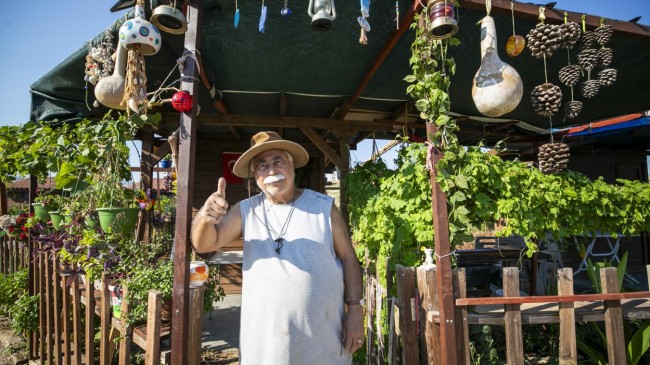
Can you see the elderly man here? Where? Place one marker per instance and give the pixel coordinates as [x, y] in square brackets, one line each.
[301, 301]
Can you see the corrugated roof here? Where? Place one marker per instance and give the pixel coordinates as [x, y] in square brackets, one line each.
[23, 184]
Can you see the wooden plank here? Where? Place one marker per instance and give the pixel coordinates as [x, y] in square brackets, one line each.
[514, 339]
[65, 313]
[39, 274]
[344, 150]
[407, 320]
[371, 308]
[185, 186]
[553, 298]
[56, 300]
[444, 285]
[568, 354]
[105, 321]
[49, 305]
[613, 318]
[90, 321]
[152, 350]
[76, 321]
[124, 356]
[426, 290]
[462, 329]
[324, 147]
[195, 325]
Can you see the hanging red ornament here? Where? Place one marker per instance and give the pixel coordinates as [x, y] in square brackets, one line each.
[182, 101]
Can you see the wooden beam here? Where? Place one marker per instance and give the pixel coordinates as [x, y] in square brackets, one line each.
[185, 181]
[553, 298]
[404, 25]
[400, 111]
[444, 283]
[293, 122]
[530, 12]
[323, 147]
[283, 105]
[235, 132]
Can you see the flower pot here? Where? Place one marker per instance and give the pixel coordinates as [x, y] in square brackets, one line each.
[91, 222]
[165, 164]
[118, 220]
[57, 219]
[41, 211]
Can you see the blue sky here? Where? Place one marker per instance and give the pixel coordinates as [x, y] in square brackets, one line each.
[37, 35]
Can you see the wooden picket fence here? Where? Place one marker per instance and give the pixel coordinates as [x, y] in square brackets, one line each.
[13, 255]
[65, 300]
[414, 336]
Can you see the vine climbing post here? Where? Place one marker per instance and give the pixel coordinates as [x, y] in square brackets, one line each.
[444, 286]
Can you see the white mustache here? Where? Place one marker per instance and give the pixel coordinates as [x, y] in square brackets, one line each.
[273, 178]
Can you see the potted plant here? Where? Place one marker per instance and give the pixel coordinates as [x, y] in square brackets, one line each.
[45, 202]
[166, 162]
[116, 204]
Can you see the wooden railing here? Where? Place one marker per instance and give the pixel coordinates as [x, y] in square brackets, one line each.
[13, 255]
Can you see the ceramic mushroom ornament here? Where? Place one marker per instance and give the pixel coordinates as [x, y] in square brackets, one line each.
[497, 88]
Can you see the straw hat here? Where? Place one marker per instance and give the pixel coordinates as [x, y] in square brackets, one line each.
[264, 141]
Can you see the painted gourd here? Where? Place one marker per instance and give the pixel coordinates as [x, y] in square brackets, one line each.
[109, 91]
[497, 88]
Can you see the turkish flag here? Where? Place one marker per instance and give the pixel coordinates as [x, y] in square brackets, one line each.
[228, 161]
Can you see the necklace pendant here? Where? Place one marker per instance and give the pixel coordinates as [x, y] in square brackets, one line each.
[280, 243]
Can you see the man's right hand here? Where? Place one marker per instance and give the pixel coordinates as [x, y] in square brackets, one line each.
[216, 206]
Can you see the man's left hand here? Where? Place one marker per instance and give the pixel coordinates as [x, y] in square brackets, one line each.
[353, 329]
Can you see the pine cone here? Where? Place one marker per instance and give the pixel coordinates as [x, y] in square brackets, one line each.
[544, 39]
[586, 40]
[553, 157]
[607, 77]
[570, 75]
[547, 99]
[603, 34]
[570, 34]
[589, 88]
[588, 59]
[605, 56]
[572, 109]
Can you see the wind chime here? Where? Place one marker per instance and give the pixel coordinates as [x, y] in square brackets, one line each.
[542, 41]
[141, 38]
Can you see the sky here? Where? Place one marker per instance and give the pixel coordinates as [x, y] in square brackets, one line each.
[36, 36]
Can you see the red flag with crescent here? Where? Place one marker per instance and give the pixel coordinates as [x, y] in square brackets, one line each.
[229, 159]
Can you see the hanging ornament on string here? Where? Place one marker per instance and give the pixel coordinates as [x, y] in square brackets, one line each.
[516, 43]
[263, 17]
[397, 15]
[285, 11]
[182, 101]
[570, 74]
[363, 23]
[236, 20]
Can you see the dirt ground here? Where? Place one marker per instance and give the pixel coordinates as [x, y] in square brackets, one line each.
[13, 349]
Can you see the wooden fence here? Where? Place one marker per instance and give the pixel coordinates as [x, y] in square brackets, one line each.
[13, 255]
[413, 333]
[67, 302]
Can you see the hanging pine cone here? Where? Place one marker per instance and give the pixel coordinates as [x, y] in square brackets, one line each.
[607, 77]
[570, 75]
[588, 59]
[589, 88]
[543, 40]
[546, 98]
[605, 56]
[570, 34]
[553, 157]
[586, 40]
[572, 109]
[603, 34]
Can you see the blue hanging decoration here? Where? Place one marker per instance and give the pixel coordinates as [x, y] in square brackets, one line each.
[236, 22]
[262, 18]
[363, 23]
[285, 10]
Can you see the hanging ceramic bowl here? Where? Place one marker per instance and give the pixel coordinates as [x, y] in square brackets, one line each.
[169, 19]
[139, 32]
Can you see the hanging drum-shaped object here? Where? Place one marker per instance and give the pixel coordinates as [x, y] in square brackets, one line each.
[442, 23]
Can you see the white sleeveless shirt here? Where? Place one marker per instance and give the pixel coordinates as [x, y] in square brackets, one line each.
[292, 301]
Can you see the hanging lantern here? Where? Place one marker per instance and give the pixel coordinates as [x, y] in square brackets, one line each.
[139, 33]
[169, 19]
[182, 101]
[322, 13]
[442, 23]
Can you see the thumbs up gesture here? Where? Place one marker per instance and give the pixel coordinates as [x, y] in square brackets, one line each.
[216, 206]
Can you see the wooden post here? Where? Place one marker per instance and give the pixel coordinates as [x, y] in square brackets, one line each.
[154, 306]
[512, 317]
[65, 313]
[90, 321]
[31, 266]
[146, 175]
[42, 307]
[4, 207]
[105, 322]
[126, 340]
[56, 288]
[195, 325]
[344, 149]
[185, 181]
[76, 321]
[408, 315]
[50, 310]
[371, 331]
[444, 285]
[568, 349]
[428, 303]
[613, 318]
[462, 329]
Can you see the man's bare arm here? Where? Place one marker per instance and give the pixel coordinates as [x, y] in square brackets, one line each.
[214, 226]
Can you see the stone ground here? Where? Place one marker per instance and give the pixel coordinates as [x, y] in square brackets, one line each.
[13, 349]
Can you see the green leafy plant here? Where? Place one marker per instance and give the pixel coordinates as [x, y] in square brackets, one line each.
[24, 314]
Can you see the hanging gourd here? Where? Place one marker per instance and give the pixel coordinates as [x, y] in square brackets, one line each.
[497, 88]
[109, 91]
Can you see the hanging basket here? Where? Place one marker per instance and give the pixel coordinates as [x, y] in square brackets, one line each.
[57, 219]
[41, 211]
[118, 220]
